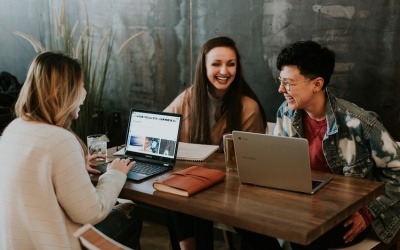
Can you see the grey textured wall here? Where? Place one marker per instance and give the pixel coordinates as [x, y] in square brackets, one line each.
[158, 65]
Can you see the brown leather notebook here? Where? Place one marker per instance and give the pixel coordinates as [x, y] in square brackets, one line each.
[189, 181]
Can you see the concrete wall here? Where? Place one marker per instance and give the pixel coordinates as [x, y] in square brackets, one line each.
[159, 64]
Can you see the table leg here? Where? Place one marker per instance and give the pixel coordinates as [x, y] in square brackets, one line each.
[204, 234]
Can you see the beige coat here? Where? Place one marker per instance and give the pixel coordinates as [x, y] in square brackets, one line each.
[45, 191]
[251, 117]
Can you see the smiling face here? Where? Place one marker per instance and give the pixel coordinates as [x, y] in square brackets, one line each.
[221, 64]
[301, 93]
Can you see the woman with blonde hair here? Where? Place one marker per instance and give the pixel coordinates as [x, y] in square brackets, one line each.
[45, 190]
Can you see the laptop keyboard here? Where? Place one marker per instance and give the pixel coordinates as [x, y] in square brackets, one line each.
[148, 169]
[315, 183]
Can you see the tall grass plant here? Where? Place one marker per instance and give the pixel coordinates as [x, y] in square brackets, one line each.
[80, 42]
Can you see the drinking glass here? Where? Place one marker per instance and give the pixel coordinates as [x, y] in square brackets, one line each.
[229, 152]
[97, 144]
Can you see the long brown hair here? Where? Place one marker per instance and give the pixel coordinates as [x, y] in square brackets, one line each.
[232, 104]
[51, 90]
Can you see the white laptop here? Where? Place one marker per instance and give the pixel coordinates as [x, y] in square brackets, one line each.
[276, 162]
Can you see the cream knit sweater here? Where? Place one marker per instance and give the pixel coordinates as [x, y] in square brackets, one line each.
[45, 190]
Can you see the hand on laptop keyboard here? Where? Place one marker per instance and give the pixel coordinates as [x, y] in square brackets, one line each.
[148, 169]
[121, 164]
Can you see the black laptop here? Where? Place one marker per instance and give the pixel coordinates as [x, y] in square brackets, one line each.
[152, 141]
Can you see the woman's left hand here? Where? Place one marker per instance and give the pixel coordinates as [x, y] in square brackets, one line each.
[90, 164]
[358, 225]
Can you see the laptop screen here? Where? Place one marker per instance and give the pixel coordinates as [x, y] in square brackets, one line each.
[153, 135]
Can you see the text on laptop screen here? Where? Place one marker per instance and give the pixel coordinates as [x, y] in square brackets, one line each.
[153, 134]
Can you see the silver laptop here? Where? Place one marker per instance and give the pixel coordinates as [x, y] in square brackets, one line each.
[276, 162]
[152, 141]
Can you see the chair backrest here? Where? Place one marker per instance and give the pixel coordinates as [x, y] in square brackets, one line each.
[93, 239]
[270, 127]
[6, 117]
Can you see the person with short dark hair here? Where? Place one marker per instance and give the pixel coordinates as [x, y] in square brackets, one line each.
[343, 139]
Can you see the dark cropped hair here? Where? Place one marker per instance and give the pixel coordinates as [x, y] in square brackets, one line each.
[311, 58]
[232, 104]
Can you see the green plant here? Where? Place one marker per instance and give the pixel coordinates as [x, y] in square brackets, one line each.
[95, 59]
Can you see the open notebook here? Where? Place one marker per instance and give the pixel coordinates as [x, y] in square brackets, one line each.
[195, 152]
[188, 151]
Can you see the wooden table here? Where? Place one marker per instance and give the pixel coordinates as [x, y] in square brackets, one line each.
[295, 217]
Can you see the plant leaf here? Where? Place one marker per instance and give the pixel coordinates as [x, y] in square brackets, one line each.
[107, 34]
[37, 46]
[128, 40]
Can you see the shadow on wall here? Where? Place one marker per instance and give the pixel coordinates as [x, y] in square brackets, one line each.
[9, 91]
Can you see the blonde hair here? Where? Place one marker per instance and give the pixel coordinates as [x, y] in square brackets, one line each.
[51, 90]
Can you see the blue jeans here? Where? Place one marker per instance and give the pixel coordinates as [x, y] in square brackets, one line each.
[123, 225]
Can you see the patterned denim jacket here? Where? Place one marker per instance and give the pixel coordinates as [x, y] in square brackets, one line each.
[356, 144]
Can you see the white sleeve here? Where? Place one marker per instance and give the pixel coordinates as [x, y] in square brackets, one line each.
[82, 202]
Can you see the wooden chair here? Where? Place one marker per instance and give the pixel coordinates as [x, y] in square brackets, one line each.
[93, 239]
[6, 116]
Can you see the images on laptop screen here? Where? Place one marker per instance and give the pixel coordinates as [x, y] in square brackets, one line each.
[153, 134]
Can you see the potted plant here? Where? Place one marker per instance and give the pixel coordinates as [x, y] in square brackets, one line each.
[95, 59]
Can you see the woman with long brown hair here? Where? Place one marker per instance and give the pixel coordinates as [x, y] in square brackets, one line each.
[219, 101]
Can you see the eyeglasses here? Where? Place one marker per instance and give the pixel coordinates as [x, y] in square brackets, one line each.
[288, 84]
